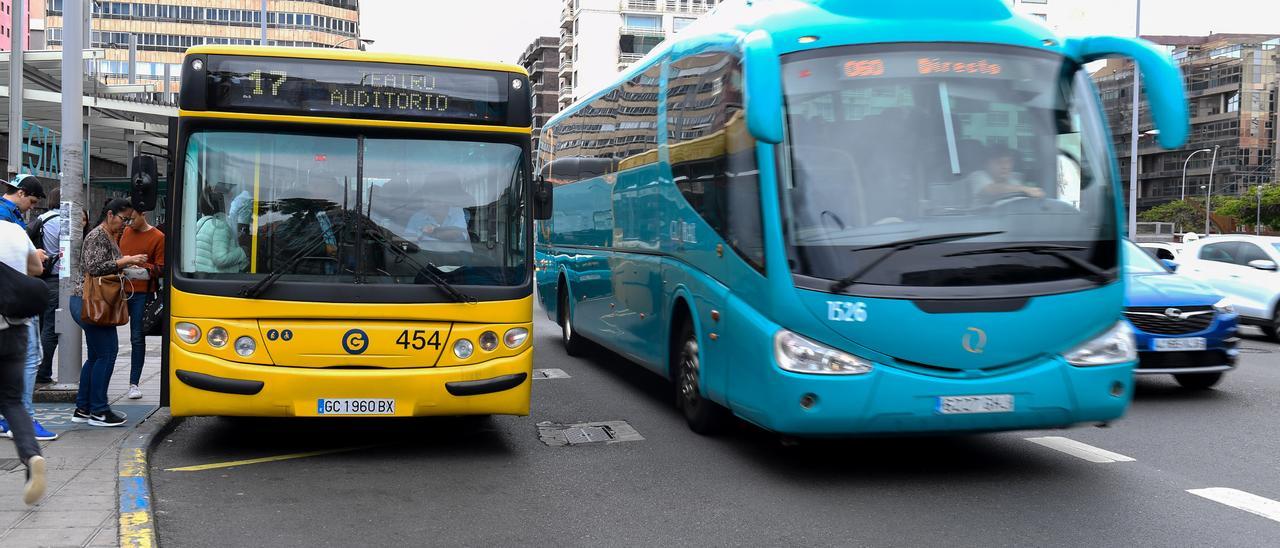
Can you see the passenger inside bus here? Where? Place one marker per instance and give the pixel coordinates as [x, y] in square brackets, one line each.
[442, 217]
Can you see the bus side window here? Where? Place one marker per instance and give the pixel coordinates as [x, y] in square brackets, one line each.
[712, 153]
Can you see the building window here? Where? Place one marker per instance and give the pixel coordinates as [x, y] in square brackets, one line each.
[651, 22]
[679, 23]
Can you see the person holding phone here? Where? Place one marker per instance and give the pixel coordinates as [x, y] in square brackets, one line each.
[140, 238]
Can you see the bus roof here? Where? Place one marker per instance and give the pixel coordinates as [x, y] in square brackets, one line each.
[338, 54]
[827, 23]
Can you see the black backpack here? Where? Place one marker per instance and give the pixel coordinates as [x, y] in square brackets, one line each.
[21, 296]
[35, 230]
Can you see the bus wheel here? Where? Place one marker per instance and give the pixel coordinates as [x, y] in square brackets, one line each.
[573, 343]
[704, 416]
[1199, 381]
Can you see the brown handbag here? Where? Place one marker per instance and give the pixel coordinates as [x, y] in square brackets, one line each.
[104, 301]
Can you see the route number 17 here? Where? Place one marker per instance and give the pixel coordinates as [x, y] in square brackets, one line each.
[418, 339]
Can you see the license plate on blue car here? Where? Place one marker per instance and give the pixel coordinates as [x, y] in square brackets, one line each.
[1179, 344]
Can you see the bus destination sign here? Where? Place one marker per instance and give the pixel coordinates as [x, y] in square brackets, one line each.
[311, 87]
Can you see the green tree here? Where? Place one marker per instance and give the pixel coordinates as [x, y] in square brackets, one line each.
[1244, 207]
[1186, 213]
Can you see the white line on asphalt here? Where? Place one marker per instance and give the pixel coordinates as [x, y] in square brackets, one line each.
[1078, 449]
[1236, 498]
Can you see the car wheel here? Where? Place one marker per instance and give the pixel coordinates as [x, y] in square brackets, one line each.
[1198, 381]
[574, 345]
[1273, 330]
[704, 416]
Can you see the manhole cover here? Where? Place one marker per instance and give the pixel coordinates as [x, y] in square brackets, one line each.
[550, 374]
[559, 435]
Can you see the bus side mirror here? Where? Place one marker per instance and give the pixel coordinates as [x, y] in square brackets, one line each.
[541, 199]
[1161, 80]
[142, 191]
[763, 90]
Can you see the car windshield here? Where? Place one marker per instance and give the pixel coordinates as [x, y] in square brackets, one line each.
[1138, 261]
[895, 143]
[258, 203]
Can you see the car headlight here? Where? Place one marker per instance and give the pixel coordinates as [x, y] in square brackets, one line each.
[1114, 346]
[801, 355]
[1224, 306]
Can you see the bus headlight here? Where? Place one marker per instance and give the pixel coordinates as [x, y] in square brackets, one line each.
[246, 346]
[1114, 346]
[488, 341]
[801, 355]
[187, 332]
[1224, 306]
[463, 349]
[217, 337]
[515, 337]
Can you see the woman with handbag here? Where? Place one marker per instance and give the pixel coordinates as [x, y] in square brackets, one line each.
[98, 306]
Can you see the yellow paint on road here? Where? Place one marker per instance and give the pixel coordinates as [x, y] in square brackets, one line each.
[230, 464]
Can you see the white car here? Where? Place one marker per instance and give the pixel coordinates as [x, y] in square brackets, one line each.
[1162, 250]
[1245, 269]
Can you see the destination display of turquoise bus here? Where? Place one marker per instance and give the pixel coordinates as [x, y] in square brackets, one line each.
[840, 217]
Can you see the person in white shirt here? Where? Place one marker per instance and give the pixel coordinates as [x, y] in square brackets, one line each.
[998, 179]
[18, 253]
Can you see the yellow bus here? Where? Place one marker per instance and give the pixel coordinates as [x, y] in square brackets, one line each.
[349, 234]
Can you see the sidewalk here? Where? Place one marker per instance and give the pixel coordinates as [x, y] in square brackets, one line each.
[81, 505]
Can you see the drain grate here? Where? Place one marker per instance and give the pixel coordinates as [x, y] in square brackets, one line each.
[559, 435]
[550, 374]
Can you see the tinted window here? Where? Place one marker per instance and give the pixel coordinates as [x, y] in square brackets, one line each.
[1223, 252]
[712, 154]
[1249, 252]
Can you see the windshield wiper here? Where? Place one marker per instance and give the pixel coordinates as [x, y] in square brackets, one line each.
[253, 290]
[429, 271]
[902, 245]
[1052, 250]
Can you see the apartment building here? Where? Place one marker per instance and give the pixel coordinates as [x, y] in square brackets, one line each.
[542, 60]
[164, 29]
[6, 33]
[600, 38]
[1232, 83]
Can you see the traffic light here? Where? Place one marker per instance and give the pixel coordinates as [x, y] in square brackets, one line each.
[142, 190]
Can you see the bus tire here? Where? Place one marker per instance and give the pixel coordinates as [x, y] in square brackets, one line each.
[703, 415]
[574, 345]
[1198, 381]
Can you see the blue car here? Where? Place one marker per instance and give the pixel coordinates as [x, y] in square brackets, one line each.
[1182, 327]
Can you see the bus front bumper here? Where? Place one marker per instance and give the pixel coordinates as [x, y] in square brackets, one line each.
[1048, 394]
[204, 385]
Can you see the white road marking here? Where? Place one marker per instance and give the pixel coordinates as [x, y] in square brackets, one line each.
[1236, 498]
[1079, 450]
[550, 374]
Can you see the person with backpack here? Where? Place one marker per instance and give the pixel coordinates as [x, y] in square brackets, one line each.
[19, 303]
[22, 193]
[46, 233]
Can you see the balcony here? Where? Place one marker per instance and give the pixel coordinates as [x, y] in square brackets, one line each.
[643, 31]
[566, 42]
[639, 5]
[629, 58]
[565, 66]
[566, 16]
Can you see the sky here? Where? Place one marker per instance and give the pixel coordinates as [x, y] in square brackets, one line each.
[499, 30]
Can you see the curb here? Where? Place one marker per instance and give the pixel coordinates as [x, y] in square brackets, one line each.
[137, 517]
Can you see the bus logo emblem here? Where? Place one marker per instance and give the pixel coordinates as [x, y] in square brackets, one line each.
[355, 341]
[974, 340]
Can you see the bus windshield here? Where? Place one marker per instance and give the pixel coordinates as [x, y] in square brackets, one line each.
[916, 165]
[295, 205]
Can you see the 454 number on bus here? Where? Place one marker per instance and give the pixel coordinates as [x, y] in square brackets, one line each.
[417, 339]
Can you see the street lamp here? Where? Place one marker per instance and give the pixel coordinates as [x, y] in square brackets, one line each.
[363, 42]
[1184, 170]
[1208, 193]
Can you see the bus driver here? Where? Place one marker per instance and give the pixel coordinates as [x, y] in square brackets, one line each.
[998, 180]
[442, 217]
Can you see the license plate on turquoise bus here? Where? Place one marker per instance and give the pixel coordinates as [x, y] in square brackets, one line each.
[355, 406]
[1179, 344]
[959, 405]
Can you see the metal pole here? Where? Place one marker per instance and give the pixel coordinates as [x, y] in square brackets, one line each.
[72, 164]
[168, 78]
[1184, 171]
[1133, 138]
[1208, 193]
[16, 46]
[1257, 223]
[133, 79]
[264, 23]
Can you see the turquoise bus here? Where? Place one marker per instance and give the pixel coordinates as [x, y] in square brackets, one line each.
[840, 217]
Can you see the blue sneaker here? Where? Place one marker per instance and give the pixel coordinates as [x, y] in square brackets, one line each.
[4, 429]
[43, 434]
